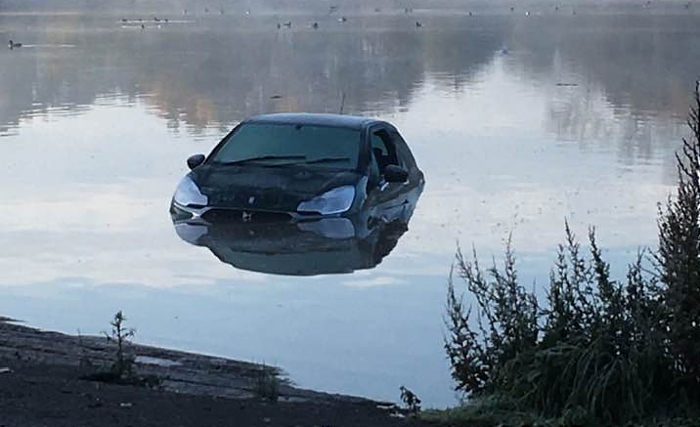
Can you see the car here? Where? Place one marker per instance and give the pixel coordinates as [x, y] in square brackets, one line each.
[306, 248]
[300, 167]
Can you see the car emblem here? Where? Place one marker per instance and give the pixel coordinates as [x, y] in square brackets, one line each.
[251, 200]
[247, 216]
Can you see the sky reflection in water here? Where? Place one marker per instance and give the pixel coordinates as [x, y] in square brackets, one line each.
[517, 124]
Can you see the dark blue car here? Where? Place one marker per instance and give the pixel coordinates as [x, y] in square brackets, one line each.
[302, 167]
[305, 248]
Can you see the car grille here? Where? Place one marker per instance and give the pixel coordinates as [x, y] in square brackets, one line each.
[271, 199]
[237, 215]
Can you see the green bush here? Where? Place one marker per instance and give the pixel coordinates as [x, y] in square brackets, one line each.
[598, 350]
[679, 257]
[267, 383]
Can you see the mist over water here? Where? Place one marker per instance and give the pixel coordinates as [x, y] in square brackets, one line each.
[518, 121]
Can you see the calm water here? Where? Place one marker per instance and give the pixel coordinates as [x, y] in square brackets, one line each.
[519, 123]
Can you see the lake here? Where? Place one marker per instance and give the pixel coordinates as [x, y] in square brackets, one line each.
[520, 120]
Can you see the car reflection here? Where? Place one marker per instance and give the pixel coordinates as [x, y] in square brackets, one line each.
[301, 248]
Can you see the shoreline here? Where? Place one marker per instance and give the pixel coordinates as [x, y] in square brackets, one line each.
[40, 369]
[180, 371]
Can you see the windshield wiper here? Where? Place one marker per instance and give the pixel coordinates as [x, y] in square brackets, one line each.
[294, 160]
[328, 160]
[261, 158]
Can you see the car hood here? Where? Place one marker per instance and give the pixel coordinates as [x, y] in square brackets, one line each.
[254, 187]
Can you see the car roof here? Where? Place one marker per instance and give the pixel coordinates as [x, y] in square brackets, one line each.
[316, 119]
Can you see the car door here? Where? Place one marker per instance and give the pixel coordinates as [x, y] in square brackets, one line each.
[386, 200]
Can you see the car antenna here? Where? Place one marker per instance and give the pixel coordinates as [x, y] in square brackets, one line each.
[342, 102]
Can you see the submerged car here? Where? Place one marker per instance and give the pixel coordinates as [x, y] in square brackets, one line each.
[305, 248]
[301, 167]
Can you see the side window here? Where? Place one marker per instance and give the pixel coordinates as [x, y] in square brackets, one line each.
[404, 154]
[383, 149]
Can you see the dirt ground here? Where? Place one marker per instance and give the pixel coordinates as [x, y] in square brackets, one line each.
[41, 385]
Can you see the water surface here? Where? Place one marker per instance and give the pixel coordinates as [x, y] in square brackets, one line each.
[519, 122]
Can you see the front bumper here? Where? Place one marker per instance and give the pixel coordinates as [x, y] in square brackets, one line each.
[215, 214]
[331, 227]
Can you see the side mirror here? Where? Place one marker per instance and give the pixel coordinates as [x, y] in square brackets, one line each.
[195, 160]
[394, 173]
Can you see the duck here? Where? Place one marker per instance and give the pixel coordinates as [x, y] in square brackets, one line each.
[342, 19]
[418, 24]
[13, 45]
[314, 25]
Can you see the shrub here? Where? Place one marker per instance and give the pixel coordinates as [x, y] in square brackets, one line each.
[598, 350]
[679, 256]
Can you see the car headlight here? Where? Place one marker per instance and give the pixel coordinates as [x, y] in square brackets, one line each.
[334, 201]
[188, 194]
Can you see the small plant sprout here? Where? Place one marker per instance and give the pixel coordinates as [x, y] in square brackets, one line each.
[122, 370]
[410, 399]
[124, 363]
[267, 384]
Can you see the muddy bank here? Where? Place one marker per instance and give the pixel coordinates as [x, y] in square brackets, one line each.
[40, 384]
[178, 371]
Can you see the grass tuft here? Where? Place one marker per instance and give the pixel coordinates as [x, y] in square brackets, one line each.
[267, 383]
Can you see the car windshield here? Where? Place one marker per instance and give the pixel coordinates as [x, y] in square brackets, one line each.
[284, 144]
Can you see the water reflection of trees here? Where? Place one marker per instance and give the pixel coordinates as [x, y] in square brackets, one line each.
[639, 65]
[220, 70]
[217, 70]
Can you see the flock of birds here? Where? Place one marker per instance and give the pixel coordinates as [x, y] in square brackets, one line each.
[419, 24]
[143, 23]
[342, 19]
[315, 25]
[288, 24]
